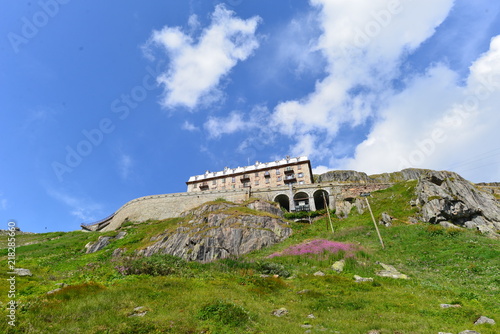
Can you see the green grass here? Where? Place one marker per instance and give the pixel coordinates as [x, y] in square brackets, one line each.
[230, 296]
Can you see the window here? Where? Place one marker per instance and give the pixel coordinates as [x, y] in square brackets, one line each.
[278, 172]
[279, 178]
[256, 174]
[301, 182]
[233, 180]
[223, 181]
[301, 174]
[299, 167]
[267, 180]
[256, 182]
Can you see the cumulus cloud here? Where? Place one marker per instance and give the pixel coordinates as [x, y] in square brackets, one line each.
[189, 126]
[438, 122]
[362, 43]
[217, 126]
[197, 65]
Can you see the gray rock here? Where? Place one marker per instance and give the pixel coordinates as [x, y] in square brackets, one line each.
[120, 235]
[118, 252]
[311, 316]
[212, 233]
[386, 220]
[390, 271]
[338, 266]
[138, 312]
[22, 272]
[54, 291]
[484, 320]
[306, 326]
[447, 197]
[444, 333]
[449, 305]
[359, 279]
[319, 273]
[93, 247]
[280, 312]
[271, 208]
[469, 332]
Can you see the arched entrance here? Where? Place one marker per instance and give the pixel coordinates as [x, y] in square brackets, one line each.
[320, 197]
[283, 201]
[301, 201]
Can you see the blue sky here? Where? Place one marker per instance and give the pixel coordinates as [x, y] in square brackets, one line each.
[106, 101]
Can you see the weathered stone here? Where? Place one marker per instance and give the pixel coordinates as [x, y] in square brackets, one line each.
[139, 311]
[213, 233]
[484, 320]
[120, 235]
[449, 305]
[22, 272]
[280, 312]
[118, 252]
[447, 197]
[306, 326]
[54, 291]
[359, 279]
[338, 266]
[386, 220]
[271, 208]
[373, 331]
[319, 273]
[311, 316]
[444, 333]
[93, 247]
[390, 271]
[469, 332]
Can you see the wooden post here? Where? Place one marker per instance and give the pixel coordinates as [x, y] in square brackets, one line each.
[374, 223]
[328, 211]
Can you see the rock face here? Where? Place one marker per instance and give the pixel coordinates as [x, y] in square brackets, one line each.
[220, 230]
[447, 197]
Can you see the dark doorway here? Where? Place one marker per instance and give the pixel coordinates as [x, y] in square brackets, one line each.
[301, 201]
[283, 201]
[320, 196]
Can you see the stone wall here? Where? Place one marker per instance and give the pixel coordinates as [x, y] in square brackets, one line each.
[172, 205]
[168, 206]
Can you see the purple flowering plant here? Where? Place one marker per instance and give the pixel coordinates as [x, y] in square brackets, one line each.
[318, 246]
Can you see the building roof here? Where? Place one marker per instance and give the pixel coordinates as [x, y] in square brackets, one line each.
[252, 168]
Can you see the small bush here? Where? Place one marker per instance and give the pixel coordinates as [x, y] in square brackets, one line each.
[434, 230]
[224, 313]
[271, 268]
[305, 214]
[155, 265]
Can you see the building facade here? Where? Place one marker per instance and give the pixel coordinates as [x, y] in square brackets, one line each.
[285, 172]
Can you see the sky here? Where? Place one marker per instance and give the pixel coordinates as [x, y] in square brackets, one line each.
[106, 101]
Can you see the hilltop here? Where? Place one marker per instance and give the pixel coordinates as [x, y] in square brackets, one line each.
[437, 273]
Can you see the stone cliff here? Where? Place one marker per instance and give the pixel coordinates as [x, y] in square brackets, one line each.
[219, 230]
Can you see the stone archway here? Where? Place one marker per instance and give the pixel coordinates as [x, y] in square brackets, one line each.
[320, 196]
[284, 201]
[301, 201]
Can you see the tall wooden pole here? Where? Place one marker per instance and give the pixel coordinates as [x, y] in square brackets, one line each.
[328, 211]
[374, 223]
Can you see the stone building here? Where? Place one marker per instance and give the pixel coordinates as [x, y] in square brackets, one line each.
[285, 172]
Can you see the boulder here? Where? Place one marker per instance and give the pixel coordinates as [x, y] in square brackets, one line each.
[214, 231]
[390, 271]
[484, 320]
[447, 197]
[319, 273]
[386, 220]
[359, 279]
[338, 266]
[22, 272]
[468, 331]
[280, 312]
[93, 247]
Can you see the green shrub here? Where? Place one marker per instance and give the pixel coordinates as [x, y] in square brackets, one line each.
[155, 265]
[306, 214]
[434, 230]
[271, 268]
[224, 313]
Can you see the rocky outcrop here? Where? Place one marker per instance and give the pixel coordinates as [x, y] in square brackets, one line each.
[102, 242]
[447, 197]
[360, 177]
[220, 230]
[344, 176]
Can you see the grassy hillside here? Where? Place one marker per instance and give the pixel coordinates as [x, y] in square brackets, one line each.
[230, 296]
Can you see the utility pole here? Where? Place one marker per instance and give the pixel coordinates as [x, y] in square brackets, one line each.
[365, 195]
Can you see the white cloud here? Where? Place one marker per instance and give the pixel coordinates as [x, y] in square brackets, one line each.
[125, 165]
[82, 209]
[197, 65]
[436, 122]
[189, 126]
[217, 126]
[363, 43]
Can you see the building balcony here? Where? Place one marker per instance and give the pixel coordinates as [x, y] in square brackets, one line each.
[267, 174]
[245, 178]
[305, 207]
[289, 170]
[203, 186]
[290, 178]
